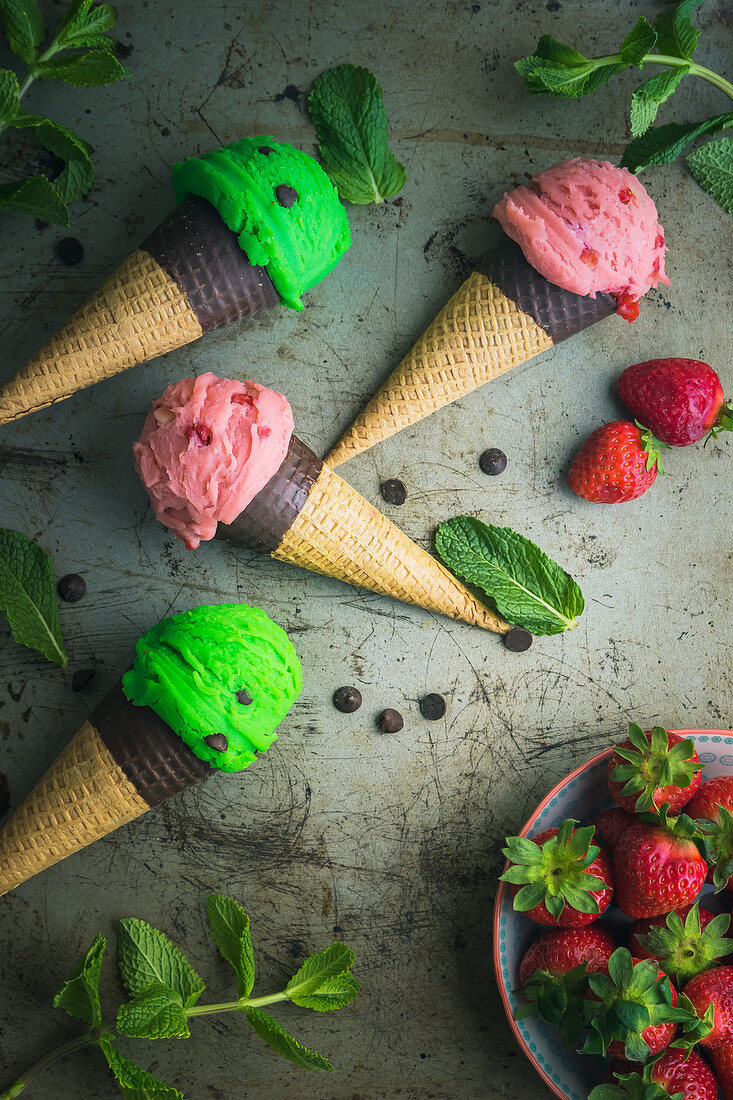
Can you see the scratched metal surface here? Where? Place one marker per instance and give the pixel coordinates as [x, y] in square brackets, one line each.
[390, 843]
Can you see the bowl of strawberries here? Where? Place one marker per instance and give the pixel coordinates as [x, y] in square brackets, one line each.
[613, 952]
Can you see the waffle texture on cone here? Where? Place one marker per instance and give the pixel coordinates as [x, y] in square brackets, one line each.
[478, 335]
[83, 796]
[139, 312]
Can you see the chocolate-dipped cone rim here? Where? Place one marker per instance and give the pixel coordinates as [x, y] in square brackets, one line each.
[269, 515]
[155, 759]
[560, 313]
[204, 258]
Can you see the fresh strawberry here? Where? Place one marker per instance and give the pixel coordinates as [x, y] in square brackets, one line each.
[679, 400]
[559, 877]
[722, 1059]
[553, 975]
[714, 803]
[711, 996]
[631, 1010]
[611, 826]
[658, 867]
[617, 462]
[684, 942]
[652, 767]
[685, 1076]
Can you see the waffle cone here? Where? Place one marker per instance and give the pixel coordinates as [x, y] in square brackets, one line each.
[138, 313]
[339, 534]
[478, 335]
[83, 796]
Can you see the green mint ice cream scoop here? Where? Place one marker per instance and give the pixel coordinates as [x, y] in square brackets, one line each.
[281, 204]
[221, 676]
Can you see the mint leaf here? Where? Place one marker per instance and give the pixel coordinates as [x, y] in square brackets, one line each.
[277, 1037]
[79, 995]
[663, 144]
[77, 175]
[318, 969]
[84, 25]
[527, 586]
[649, 96]
[37, 197]
[9, 95]
[156, 1013]
[638, 43]
[332, 993]
[348, 112]
[712, 167]
[89, 69]
[135, 1083]
[230, 929]
[24, 27]
[145, 955]
[556, 69]
[27, 593]
[675, 32]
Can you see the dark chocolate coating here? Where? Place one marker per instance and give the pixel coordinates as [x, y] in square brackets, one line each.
[559, 312]
[272, 512]
[205, 259]
[154, 758]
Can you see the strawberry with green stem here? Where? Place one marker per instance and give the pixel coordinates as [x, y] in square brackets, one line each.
[684, 943]
[674, 1075]
[559, 877]
[710, 995]
[618, 462]
[679, 400]
[712, 808]
[553, 975]
[659, 866]
[652, 767]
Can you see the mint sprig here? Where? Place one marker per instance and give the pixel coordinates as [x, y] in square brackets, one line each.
[347, 109]
[527, 587]
[560, 70]
[28, 596]
[81, 53]
[165, 990]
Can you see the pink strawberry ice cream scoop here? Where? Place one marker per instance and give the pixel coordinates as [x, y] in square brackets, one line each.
[207, 449]
[590, 228]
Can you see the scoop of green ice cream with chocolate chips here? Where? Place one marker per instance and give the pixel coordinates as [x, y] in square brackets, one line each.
[280, 203]
[221, 676]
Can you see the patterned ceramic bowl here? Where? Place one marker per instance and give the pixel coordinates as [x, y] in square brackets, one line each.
[582, 795]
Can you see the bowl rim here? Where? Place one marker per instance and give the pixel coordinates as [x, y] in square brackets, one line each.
[604, 754]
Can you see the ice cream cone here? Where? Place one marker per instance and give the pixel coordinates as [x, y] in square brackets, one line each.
[123, 761]
[188, 277]
[308, 516]
[501, 316]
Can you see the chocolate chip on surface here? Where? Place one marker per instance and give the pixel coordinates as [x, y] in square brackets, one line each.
[347, 699]
[244, 697]
[69, 251]
[286, 196]
[492, 462]
[265, 150]
[71, 588]
[432, 706]
[217, 741]
[390, 721]
[393, 491]
[81, 678]
[518, 639]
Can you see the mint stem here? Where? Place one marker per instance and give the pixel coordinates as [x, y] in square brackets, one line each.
[33, 74]
[234, 1006]
[79, 1043]
[673, 63]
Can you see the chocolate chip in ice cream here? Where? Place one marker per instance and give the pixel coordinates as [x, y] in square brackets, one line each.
[347, 699]
[390, 721]
[432, 706]
[265, 150]
[286, 196]
[244, 697]
[393, 491]
[217, 741]
[493, 462]
[518, 639]
[71, 588]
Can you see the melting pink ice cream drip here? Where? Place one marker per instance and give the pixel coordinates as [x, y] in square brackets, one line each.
[207, 449]
[590, 228]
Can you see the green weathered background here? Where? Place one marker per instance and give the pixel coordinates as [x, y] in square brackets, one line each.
[389, 843]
